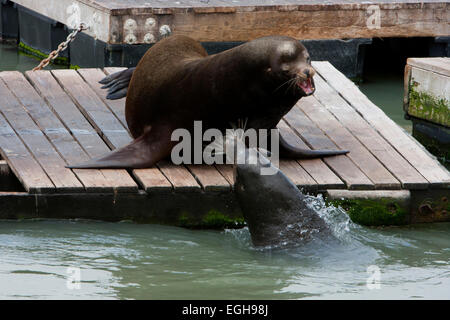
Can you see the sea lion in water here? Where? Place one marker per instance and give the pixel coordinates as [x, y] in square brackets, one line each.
[176, 83]
[274, 208]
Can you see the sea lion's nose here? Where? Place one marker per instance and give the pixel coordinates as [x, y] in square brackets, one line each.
[309, 72]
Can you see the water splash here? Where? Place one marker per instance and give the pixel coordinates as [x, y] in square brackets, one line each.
[335, 217]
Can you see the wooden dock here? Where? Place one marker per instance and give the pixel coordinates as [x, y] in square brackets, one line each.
[146, 21]
[49, 119]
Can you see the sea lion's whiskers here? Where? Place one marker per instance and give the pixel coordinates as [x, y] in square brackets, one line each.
[295, 83]
[282, 84]
[245, 124]
[291, 83]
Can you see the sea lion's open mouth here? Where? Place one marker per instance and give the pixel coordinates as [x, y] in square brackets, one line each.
[306, 86]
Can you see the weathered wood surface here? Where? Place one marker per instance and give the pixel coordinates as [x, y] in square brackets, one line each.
[21, 162]
[59, 136]
[92, 77]
[437, 65]
[51, 118]
[353, 177]
[402, 142]
[380, 148]
[140, 21]
[34, 139]
[82, 131]
[316, 168]
[340, 135]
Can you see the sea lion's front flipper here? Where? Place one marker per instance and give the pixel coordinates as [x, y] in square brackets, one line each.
[288, 151]
[117, 83]
[143, 152]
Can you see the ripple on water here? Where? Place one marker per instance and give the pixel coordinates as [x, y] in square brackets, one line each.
[126, 260]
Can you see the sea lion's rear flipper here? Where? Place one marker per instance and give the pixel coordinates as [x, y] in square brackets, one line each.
[143, 152]
[288, 151]
[117, 83]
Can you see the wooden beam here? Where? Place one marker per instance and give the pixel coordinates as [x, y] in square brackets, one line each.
[178, 209]
[141, 21]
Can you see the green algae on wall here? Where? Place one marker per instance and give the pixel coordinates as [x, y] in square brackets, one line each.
[368, 212]
[425, 106]
[29, 51]
[212, 220]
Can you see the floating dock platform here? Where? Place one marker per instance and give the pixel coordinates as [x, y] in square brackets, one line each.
[49, 119]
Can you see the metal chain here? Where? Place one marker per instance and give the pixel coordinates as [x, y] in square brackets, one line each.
[61, 47]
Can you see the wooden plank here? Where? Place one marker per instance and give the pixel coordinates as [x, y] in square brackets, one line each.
[64, 143]
[380, 148]
[226, 170]
[49, 159]
[319, 171]
[245, 20]
[21, 162]
[109, 70]
[209, 178]
[407, 146]
[93, 108]
[298, 175]
[305, 21]
[152, 180]
[368, 164]
[400, 197]
[92, 77]
[63, 107]
[342, 166]
[181, 179]
[438, 65]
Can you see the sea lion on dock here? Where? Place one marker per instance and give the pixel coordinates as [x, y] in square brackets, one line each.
[176, 82]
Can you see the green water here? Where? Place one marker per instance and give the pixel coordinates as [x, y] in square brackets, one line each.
[11, 59]
[131, 261]
[42, 259]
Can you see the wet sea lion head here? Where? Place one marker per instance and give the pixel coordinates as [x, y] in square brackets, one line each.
[290, 62]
